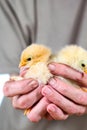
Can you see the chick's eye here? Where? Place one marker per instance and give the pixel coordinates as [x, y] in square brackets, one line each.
[29, 59]
[83, 65]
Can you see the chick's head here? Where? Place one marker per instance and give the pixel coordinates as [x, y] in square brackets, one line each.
[74, 56]
[33, 54]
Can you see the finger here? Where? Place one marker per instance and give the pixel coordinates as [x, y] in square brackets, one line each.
[28, 100]
[48, 116]
[65, 104]
[13, 88]
[38, 111]
[68, 72]
[56, 112]
[69, 91]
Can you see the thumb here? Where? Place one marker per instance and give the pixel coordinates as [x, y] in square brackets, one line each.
[57, 68]
[53, 67]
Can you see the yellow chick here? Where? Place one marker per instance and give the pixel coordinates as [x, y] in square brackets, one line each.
[35, 57]
[74, 56]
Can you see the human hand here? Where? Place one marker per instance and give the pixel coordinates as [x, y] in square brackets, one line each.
[24, 94]
[22, 91]
[65, 99]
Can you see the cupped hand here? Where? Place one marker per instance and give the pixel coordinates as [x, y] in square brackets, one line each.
[66, 99]
[24, 93]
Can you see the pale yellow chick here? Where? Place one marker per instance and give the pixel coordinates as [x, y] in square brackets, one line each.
[74, 56]
[36, 57]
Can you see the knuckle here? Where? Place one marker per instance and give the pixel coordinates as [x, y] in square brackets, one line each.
[22, 87]
[61, 117]
[24, 103]
[34, 118]
[14, 104]
[5, 90]
[82, 99]
[81, 111]
[63, 89]
[77, 110]
[72, 110]
[21, 103]
[64, 117]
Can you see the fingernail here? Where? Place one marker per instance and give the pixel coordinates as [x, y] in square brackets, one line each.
[46, 90]
[52, 109]
[52, 81]
[34, 82]
[51, 67]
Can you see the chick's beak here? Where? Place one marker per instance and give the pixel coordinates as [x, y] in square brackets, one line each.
[85, 69]
[22, 64]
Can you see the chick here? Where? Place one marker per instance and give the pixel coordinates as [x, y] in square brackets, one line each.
[35, 58]
[75, 57]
